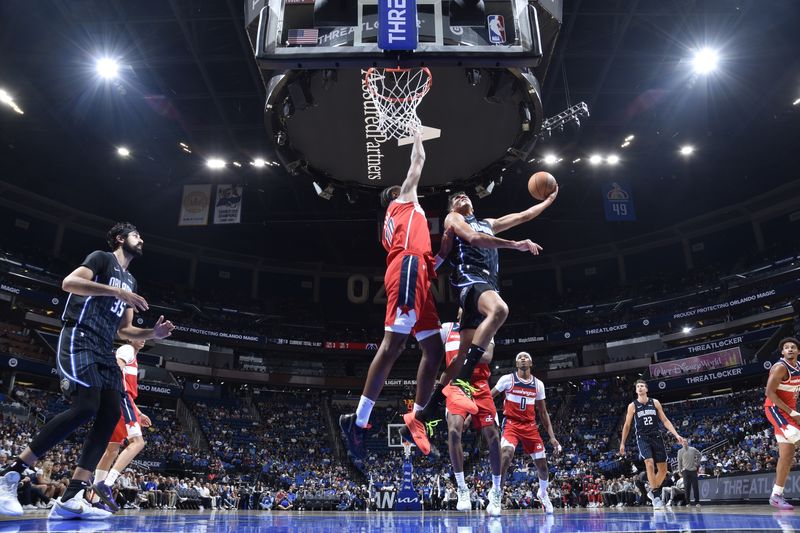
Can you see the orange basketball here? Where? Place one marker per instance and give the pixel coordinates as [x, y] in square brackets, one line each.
[541, 185]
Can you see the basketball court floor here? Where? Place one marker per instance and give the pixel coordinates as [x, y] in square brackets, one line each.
[706, 519]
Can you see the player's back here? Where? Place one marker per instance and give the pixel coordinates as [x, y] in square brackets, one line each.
[130, 372]
[451, 338]
[405, 230]
[788, 388]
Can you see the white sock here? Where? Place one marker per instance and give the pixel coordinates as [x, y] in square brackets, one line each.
[777, 490]
[460, 480]
[543, 486]
[112, 477]
[100, 475]
[496, 482]
[363, 411]
[418, 407]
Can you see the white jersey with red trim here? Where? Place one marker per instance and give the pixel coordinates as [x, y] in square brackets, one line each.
[451, 338]
[130, 373]
[521, 396]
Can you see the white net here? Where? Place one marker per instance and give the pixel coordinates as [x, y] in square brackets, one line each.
[396, 93]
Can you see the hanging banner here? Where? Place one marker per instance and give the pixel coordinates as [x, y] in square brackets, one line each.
[194, 205]
[715, 345]
[618, 202]
[698, 363]
[228, 207]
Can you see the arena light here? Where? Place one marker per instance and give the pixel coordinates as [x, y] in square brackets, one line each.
[705, 61]
[7, 99]
[215, 163]
[123, 151]
[796, 102]
[258, 162]
[550, 159]
[576, 160]
[686, 329]
[107, 68]
[629, 138]
[625, 144]
[613, 159]
[326, 192]
[687, 150]
[237, 164]
[595, 159]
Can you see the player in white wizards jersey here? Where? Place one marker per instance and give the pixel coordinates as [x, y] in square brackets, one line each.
[524, 396]
[130, 424]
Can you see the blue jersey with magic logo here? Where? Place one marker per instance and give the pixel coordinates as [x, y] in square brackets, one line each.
[99, 316]
[472, 264]
[645, 419]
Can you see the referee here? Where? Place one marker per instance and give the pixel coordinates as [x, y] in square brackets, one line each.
[688, 463]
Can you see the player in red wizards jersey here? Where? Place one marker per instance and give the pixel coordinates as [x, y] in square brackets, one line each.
[410, 309]
[130, 424]
[484, 420]
[523, 393]
[783, 387]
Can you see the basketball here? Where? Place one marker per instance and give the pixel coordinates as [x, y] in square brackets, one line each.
[541, 185]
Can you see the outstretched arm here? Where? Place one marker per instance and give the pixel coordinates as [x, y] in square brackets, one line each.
[482, 240]
[408, 190]
[667, 423]
[514, 219]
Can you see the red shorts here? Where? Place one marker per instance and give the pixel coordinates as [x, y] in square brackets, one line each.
[129, 424]
[786, 429]
[487, 413]
[527, 433]
[410, 307]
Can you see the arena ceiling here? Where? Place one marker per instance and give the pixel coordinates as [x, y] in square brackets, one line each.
[188, 76]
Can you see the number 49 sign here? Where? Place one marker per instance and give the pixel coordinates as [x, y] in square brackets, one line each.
[618, 201]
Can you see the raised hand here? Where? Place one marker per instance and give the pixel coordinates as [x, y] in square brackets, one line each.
[162, 328]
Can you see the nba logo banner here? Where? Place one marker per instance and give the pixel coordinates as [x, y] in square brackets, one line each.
[497, 29]
[397, 24]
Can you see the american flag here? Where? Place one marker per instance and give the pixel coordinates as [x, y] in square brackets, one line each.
[303, 36]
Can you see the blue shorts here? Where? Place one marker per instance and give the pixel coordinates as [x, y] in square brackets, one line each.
[652, 447]
[81, 364]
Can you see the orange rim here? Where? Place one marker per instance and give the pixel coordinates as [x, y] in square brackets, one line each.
[416, 96]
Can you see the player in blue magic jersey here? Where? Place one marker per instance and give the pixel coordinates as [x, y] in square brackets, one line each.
[100, 306]
[645, 413]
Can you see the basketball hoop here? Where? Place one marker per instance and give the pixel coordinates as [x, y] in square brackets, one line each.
[407, 449]
[396, 93]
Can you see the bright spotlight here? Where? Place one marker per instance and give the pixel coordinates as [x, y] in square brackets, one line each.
[686, 329]
[625, 144]
[595, 159]
[687, 150]
[237, 164]
[8, 100]
[258, 162]
[629, 138]
[107, 68]
[123, 152]
[796, 102]
[215, 163]
[550, 159]
[705, 61]
[613, 159]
